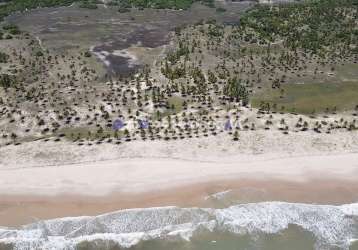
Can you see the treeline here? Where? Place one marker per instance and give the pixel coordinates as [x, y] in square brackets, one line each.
[22, 5]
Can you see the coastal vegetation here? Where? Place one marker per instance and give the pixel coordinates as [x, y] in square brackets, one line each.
[291, 68]
[295, 35]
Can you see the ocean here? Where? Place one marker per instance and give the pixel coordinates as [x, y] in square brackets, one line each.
[252, 226]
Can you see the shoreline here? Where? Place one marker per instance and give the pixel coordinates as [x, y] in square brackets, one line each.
[17, 210]
[51, 180]
[32, 194]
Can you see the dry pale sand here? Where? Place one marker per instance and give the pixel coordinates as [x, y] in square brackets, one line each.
[138, 175]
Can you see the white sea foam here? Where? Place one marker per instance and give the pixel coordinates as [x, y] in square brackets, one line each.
[219, 195]
[331, 225]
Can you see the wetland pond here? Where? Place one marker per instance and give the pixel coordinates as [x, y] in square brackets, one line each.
[109, 34]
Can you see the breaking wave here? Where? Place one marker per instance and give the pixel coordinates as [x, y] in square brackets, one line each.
[331, 225]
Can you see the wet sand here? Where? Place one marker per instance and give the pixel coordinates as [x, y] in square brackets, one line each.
[17, 210]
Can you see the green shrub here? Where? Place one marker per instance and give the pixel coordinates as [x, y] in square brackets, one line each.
[87, 54]
[88, 5]
[3, 57]
[7, 81]
[12, 29]
[220, 10]
[123, 10]
[39, 53]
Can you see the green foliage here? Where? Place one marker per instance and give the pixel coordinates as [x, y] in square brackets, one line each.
[87, 54]
[22, 5]
[3, 57]
[125, 4]
[211, 77]
[7, 81]
[215, 31]
[183, 50]
[209, 3]
[39, 53]
[220, 10]
[88, 4]
[11, 29]
[199, 80]
[235, 90]
[317, 26]
[123, 10]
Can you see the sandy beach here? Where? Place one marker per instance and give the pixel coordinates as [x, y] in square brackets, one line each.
[136, 175]
[140, 175]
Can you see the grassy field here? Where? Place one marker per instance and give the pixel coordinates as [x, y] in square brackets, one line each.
[310, 98]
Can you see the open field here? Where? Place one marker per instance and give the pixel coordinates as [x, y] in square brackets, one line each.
[311, 98]
[328, 91]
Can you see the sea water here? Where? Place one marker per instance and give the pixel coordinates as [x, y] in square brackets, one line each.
[252, 226]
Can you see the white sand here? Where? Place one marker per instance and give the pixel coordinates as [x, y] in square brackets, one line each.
[141, 175]
[145, 166]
